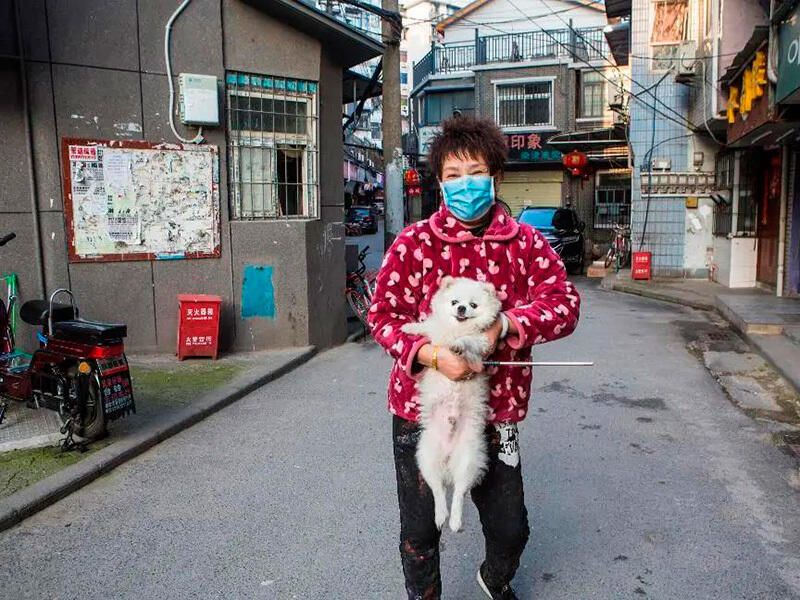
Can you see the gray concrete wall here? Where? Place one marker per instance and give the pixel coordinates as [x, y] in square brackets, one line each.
[97, 70]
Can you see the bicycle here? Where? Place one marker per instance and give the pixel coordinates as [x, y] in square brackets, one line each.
[620, 251]
[359, 288]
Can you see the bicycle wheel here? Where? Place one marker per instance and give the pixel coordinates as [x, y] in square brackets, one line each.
[359, 303]
[610, 257]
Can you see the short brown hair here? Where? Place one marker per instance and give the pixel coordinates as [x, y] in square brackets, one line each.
[469, 136]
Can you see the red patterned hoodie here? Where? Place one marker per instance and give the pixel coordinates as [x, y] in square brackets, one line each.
[530, 280]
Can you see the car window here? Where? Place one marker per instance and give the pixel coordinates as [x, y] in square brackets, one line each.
[540, 218]
[564, 219]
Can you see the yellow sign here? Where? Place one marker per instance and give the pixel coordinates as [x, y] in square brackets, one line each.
[754, 80]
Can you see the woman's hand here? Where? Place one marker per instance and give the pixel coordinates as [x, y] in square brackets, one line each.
[449, 364]
[493, 335]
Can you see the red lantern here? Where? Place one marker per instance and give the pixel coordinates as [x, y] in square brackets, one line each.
[576, 162]
[411, 177]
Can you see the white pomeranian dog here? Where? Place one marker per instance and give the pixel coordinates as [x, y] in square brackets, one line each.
[452, 446]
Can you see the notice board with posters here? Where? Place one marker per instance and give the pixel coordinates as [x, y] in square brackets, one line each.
[136, 200]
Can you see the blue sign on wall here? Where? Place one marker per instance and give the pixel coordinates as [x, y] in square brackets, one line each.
[258, 292]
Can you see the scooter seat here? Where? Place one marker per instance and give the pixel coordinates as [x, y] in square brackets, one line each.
[89, 332]
[34, 312]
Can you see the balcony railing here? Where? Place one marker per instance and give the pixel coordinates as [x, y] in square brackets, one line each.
[580, 44]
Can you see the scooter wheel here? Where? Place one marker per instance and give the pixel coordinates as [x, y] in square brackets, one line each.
[94, 426]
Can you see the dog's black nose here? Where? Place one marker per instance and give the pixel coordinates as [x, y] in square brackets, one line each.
[462, 309]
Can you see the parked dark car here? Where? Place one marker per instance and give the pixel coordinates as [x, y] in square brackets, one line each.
[363, 217]
[563, 230]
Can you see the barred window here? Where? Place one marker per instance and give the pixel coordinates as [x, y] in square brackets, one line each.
[272, 146]
[524, 104]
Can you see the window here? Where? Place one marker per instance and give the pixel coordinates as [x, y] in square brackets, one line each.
[403, 77]
[524, 104]
[593, 95]
[612, 201]
[272, 146]
[376, 131]
[442, 105]
[670, 27]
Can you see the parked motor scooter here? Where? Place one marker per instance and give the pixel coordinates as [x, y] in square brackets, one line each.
[79, 369]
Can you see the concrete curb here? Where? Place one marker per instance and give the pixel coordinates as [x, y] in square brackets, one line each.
[610, 282]
[42, 494]
[358, 336]
[780, 352]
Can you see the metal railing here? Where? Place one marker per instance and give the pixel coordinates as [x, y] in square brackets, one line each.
[455, 57]
[723, 219]
[580, 44]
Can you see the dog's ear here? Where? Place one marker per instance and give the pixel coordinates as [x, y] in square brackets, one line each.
[489, 287]
[446, 282]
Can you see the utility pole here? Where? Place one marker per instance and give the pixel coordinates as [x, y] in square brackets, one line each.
[392, 126]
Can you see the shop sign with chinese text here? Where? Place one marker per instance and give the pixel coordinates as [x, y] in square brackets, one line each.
[531, 148]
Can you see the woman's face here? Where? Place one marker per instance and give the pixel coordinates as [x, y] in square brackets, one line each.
[456, 166]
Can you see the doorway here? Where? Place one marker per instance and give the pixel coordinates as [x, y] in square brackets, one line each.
[769, 208]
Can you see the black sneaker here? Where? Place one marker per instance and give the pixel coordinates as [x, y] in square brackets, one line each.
[503, 593]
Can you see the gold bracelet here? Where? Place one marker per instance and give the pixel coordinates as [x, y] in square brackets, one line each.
[434, 358]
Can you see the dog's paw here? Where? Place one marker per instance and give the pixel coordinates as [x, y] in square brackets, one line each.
[440, 517]
[456, 524]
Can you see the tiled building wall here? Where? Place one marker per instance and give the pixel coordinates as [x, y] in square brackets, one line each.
[664, 217]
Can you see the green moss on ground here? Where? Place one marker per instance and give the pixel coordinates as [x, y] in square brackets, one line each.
[21, 468]
[181, 385]
[155, 389]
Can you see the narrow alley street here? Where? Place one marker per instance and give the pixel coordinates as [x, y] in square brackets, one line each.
[642, 480]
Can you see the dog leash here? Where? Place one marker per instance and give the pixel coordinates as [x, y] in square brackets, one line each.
[522, 363]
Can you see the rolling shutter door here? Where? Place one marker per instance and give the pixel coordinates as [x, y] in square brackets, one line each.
[531, 188]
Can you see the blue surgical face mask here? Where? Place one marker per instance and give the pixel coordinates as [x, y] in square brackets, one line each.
[469, 197]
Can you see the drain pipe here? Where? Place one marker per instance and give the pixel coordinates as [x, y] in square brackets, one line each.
[782, 221]
[26, 110]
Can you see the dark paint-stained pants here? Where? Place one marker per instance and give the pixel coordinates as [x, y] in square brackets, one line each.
[499, 499]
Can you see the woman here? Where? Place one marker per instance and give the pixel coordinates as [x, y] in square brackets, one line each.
[470, 236]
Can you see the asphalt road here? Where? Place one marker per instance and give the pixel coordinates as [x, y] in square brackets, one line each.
[643, 481]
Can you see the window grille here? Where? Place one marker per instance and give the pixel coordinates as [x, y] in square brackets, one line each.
[524, 104]
[750, 174]
[723, 208]
[612, 200]
[273, 157]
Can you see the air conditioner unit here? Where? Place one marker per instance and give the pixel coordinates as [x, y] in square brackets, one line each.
[686, 60]
[661, 164]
